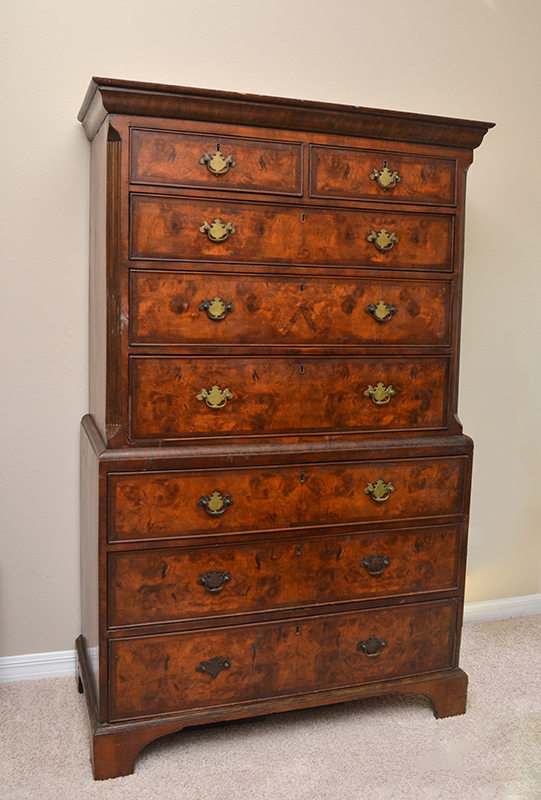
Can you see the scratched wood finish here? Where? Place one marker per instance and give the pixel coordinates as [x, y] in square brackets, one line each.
[157, 505]
[279, 310]
[162, 585]
[158, 674]
[170, 158]
[283, 394]
[168, 228]
[344, 172]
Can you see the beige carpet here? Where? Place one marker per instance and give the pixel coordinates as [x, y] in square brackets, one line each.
[379, 749]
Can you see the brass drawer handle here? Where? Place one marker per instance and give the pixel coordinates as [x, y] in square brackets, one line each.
[215, 397]
[372, 646]
[375, 565]
[384, 241]
[214, 666]
[216, 163]
[215, 504]
[385, 177]
[380, 395]
[214, 581]
[380, 491]
[383, 312]
[216, 308]
[218, 231]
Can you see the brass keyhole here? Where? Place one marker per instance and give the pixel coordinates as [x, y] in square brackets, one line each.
[298, 630]
[303, 477]
[299, 549]
[303, 217]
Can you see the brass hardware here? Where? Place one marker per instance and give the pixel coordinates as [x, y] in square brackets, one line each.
[215, 397]
[385, 178]
[216, 163]
[214, 666]
[382, 312]
[298, 630]
[215, 504]
[372, 646]
[299, 549]
[216, 308]
[303, 217]
[303, 477]
[375, 565]
[218, 231]
[379, 491]
[380, 395]
[384, 241]
[214, 581]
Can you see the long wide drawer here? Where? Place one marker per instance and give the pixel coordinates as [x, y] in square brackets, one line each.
[170, 307]
[208, 161]
[157, 505]
[190, 229]
[178, 396]
[171, 673]
[170, 585]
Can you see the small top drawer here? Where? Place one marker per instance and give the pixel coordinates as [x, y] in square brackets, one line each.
[350, 173]
[167, 158]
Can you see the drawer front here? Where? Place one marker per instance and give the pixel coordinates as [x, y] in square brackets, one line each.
[172, 585]
[175, 396]
[195, 308]
[225, 163]
[170, 228]
[350, 173]
[159, 505]
[171, 673]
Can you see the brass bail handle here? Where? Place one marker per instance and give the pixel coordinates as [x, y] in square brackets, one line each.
[383, 240]
[380, 491]
[216, 504]
[216, 163]
[214, 581]
[382, 312]
[386, 178]
[215, 397]
[375, 565]
[217, 309]
[219, 231]
[380, 394]
[372, 646]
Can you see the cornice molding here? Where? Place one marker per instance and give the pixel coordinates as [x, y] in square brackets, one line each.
[108, 96]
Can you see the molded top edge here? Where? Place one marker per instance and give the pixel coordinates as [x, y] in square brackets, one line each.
[109, 96]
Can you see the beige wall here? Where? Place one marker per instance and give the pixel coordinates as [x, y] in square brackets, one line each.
[464, 58]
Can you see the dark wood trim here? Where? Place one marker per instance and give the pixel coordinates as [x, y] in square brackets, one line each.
[110, 96]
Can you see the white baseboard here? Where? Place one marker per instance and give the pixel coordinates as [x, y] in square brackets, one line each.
[64, 663]
[503, 609]
[38, 665]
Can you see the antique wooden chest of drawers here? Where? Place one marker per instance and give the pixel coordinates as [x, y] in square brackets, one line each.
[275, 481]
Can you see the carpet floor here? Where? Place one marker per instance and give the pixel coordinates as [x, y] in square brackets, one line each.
[389, 748]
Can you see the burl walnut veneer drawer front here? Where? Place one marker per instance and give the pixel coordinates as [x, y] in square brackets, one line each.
[172, 585]
[190, 308]
[159, 505]
[171, 673]
[168, 158]
[180, 228]
[350, 173]
[176, 396]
